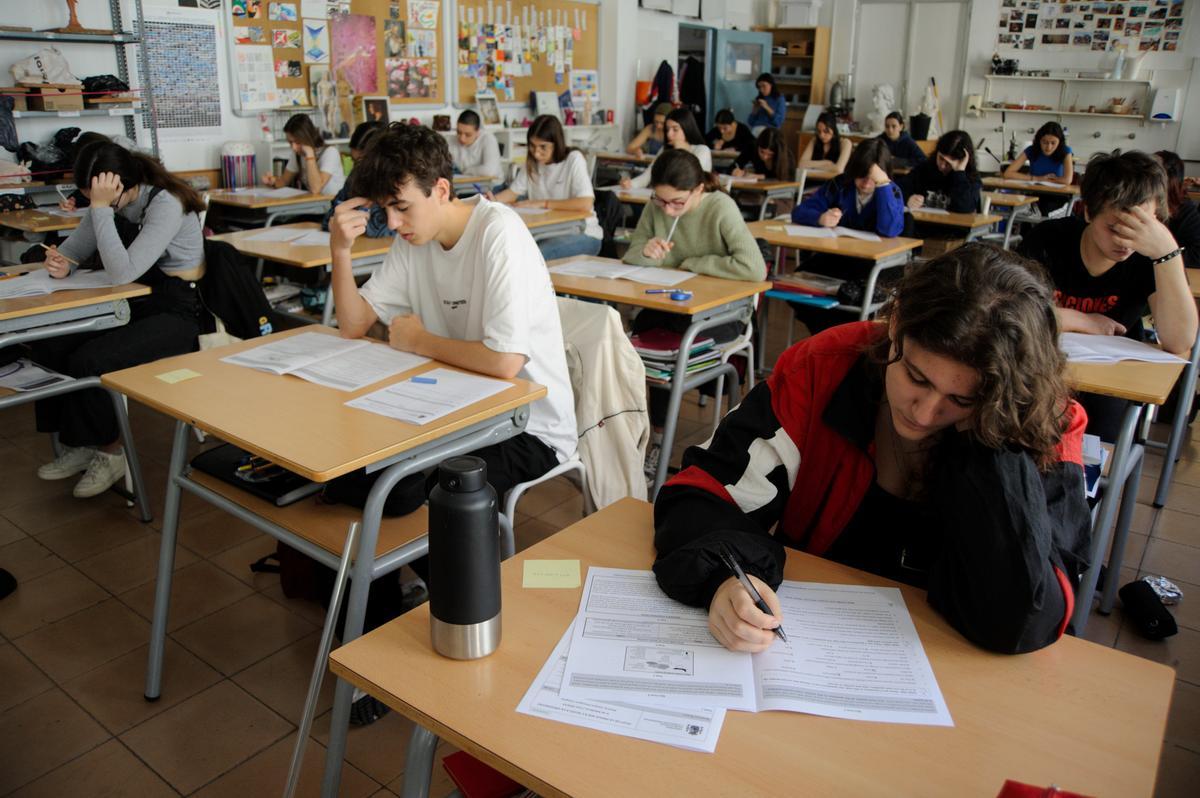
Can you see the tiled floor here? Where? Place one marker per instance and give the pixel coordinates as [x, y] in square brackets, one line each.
[73, 637]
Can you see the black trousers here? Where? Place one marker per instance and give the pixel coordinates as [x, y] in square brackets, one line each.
[165, 323]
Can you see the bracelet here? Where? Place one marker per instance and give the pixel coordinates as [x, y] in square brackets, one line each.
[1172, 254]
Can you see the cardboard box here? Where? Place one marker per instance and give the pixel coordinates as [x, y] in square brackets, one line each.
[18, 93]
[54, 97]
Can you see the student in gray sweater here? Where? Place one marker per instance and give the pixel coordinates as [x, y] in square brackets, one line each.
[144, 225]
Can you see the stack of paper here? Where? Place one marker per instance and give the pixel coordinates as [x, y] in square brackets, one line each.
[805, 231]
[40, 282]
[429, 396]
[75, 214]
[613, 270]
[276, 234]
[328, 360]
[1085, 348]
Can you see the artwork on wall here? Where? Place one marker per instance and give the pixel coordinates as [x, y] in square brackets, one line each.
[316, 41]
[353, 40]
[186, 91]
[1136, 25]
[411, 78]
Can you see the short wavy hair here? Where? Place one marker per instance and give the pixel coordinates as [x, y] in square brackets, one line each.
[993, 311]
[397, 155]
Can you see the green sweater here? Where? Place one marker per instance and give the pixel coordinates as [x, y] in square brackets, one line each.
[710, 239]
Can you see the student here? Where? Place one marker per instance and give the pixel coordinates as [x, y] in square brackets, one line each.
[556, 177]
[772, 157]
[1107, 266]
[826, 150]
[937, 447]
[682, 133]
[475, 151]
[1049, 157]
[167, 254]
[463, 283]
[377, 226]
[770, 109]
[949, 180]
[1184, 221]
[710, 237]
[730, 134]
[76, 200]
[651, 138]
[322, 171]
[904, 149]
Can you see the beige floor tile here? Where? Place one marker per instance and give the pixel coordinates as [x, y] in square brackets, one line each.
[1103, 629]
[236, 561]
[563, 515]
[1173, 560]
[1183, 724]
[1178, 527]
[312, 611]
[213, 531]
[266, 774]
[85, 640]
[243, 633]
[1178, 773]
[196, 591]
[1181, 652]
[38, 515]
[109, 770]
[1184, 497]
[41, 734]
[22, 486]
[95, 534]
[281, 680]
[114, 693]
[47, 599]
[543, 497]
[1143, 518]
[205, 736]
[530, 532]
[440, 782]
[27, 559]
[20, 677]
[1187, 473]
[10, 532]
[131, 564]
[377, 750]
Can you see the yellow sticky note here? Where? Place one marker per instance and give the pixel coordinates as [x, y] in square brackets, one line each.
[178, 375]
[551, 573]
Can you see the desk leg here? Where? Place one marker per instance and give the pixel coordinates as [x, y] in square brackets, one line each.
[1187, 392]
[1121, 535]
[327, 313]
[131, 457]
[1104, 518]
[418, 763]
[166, 564]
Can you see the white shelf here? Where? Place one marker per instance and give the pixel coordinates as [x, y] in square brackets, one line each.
[72, 114]
[1053, 112]
[1064, 80]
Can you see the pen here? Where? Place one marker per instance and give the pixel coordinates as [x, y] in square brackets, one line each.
[479, 188]
[659, 290]
[731, 562]
[64, 257]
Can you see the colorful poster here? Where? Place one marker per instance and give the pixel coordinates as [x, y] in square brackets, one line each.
[255, 77]
[393, 38]
[287, 69]
[283, 12]
[408, 79]
[316, 41]
[422, 43]
[251, 34]
[246, 9]
[285, 38]
[353, 40]
[293, 97]
[422, 13]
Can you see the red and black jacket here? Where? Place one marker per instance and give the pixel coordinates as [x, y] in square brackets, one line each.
[791, 465]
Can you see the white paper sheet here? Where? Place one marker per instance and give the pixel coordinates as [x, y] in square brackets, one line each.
[25, 375]
[657, 276]
[295, 352]
[359, 367]
[633, 191]
[282, 191]
[39, 283]
[932, 211]
[420, 403]
[312, 238]
[75, 214]
[853, 653]
[805, 231]
[1085, 348]
[612, 270]
[694, 729]
[276, 234]
[530, 211]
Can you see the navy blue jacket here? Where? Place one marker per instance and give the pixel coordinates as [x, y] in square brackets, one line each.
[904, 148]
[883, 214]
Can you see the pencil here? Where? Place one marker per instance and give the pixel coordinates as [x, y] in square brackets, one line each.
[64, 257]
[672, 232]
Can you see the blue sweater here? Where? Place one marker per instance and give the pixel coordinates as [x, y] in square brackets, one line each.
[774, 119]
[377, 226]
[904, 148]
[1041, 165]
[883, 214]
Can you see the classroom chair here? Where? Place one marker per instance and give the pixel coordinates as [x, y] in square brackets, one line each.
[743, 343]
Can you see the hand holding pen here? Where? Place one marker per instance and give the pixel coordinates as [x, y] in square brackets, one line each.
[745, 612]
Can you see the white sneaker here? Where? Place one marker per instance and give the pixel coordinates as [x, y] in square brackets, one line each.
[653, 453]
[104, 471]
[73, 460]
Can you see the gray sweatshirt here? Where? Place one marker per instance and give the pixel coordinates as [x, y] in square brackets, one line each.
[169, 238]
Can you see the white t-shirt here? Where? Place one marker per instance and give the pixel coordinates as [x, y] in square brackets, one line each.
[567, 179]
[492, 286]
[480, 157]
[701, 151]
[329, 161]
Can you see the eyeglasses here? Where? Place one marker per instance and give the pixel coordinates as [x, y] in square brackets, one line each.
[676, 204]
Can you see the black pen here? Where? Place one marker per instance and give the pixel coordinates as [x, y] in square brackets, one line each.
[726, 555]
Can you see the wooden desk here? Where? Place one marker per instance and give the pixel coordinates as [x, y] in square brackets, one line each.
[1084, 717]
[308, 429]
[714, 302]
[367, 254]
[1139, 384]
[1029, 187]
[37, 318]
[724, 155]
[465, 185]
[555, 223]
[634, 163]
[37, 221]
[1014, 205]
[249, 209]
[819, 175]
[770, 189]
[975, 224]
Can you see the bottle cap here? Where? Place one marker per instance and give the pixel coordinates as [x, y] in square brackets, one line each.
[462, 474]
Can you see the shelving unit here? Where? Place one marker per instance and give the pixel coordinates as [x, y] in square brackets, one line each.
[1060, 110]
[119, 39]
[800, 64]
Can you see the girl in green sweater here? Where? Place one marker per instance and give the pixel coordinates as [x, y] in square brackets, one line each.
[689, 223]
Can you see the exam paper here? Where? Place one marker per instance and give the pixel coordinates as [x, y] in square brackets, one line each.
[695, 729]
[73, 214]
[805, 231]
[25, 375]
[611, 270]
[931, 211]
[282, 191]
[276, 234]
[1086, 348]
[39, 283]
[295, 352]
[531, 211]
[312, 238]
[422, 402]
[853, 653]
[358, 368]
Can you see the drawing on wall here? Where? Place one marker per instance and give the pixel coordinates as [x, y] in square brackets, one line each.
[283, 12]
[422, 13]
[393, 38]
[1135, 25]
[285, 38]
[410, 79]
[252, 34]
[422, 43]
[186, 91]
[316, 42]
[353, 44]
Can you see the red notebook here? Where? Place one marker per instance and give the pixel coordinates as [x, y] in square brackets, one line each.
[474, 779]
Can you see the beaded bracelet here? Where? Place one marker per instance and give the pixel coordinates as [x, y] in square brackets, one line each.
[1167, 257]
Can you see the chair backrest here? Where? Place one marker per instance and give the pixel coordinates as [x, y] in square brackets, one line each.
[801, 178]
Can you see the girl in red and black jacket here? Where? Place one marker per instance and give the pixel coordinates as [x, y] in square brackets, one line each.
[938, 447]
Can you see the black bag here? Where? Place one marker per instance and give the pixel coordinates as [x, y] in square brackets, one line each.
[851, 292]
[353, 489]
[96, 84]
[230, 292]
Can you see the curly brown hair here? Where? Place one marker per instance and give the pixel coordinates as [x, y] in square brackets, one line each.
[991, 310]
[398, 154]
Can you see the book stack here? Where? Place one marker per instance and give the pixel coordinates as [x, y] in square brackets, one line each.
[659, 348]
[807, 288]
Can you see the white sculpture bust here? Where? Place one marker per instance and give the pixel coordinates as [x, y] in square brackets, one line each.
[883, 100]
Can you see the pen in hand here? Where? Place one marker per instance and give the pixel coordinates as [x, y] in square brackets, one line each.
[727, 557]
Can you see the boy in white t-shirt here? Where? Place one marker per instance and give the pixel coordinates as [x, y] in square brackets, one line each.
[463, 283]
[474, 150]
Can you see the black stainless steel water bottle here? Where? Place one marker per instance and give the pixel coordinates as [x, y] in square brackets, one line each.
[464, 561]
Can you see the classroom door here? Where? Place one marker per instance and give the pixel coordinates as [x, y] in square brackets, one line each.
[738, 58]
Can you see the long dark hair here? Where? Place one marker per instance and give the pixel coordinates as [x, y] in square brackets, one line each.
[820, 153]
[687, 123]
[868, 153]
[680, 169]
[1051, 129]
[547, 128]
[1176, 191]
[767, 77]
[134, 169]
[992, 311]
[304, 131]
[955, 145]
[784, 165]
